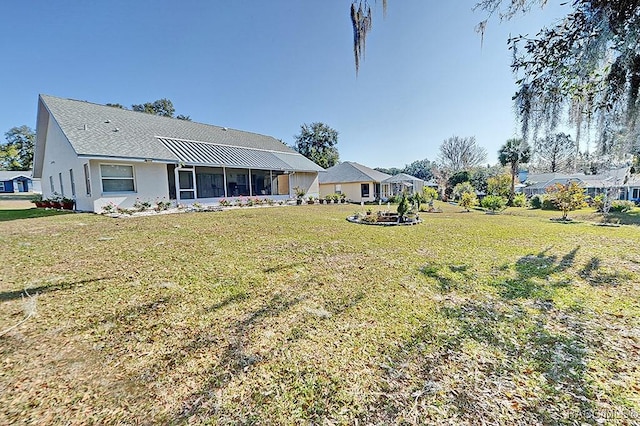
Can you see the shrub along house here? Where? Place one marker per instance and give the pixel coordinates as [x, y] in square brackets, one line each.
[99, 154]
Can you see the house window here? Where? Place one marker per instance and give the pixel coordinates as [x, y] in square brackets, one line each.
[87, 180]
[364, 190]
[53, 188]
[117, 178]
[61, 185]
[1, 186]
[338, 189]
[636, 193]
[73, 183]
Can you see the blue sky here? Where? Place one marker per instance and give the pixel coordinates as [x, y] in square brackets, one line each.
[270, 66]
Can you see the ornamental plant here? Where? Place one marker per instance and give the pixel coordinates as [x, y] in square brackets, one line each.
[567, 197]
[403, 206]
[494, 203]
[468, 200]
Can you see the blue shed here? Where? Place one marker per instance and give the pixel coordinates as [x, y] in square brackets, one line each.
[15, 181]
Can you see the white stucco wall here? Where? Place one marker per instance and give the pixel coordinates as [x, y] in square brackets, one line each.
[59, 158]
[150, 182]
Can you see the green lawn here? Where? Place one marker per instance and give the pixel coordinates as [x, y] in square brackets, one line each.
[293, 315]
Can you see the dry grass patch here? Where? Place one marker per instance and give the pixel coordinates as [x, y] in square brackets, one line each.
[293, 315]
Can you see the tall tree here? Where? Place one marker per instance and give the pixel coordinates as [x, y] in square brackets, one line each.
[420, 169]
[458, 154]
[555, 153]
[586, 66]
[390, 171]
[513, 153]
[17, 152]
[162, 107]
[317, 142]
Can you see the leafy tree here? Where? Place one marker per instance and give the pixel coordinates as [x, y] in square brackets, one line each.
[493, 203]
[587, 66]
[441, 175]
[390, 171]
[513, 153]
[460, 189]
[468, 200]
[479, 176]
[555, 153]
[317, 142]
[420, 169]
[458, 154]
[429, 194]
[567, 197]
[162, 107]
[457, 178]
[499, 185]
[10, 158]
[17, 152]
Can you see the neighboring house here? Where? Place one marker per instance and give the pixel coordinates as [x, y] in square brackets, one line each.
[16, 181]
[357, 182]
[632, 189]
[402, 182]
[593, 184]
[98, 155]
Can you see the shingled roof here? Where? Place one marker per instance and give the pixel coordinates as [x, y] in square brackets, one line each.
[351, 172]
[101, 131]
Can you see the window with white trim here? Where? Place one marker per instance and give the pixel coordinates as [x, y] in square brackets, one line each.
[61, 185]
[2, 186]
[87, 179]
[117, 178]
[73, 183]
[53, 188]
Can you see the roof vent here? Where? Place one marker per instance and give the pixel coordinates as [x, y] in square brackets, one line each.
[107, 121]
[116, 130]
[225, 129]
[85, 127]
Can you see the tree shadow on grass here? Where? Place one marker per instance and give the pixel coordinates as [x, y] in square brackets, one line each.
[594, 273]
[533, 274]
[237, 360]
[495, 360]
[234, 360]
[448, 277]
[46, 288]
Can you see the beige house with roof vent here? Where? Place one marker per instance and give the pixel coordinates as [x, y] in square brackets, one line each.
[98, 155]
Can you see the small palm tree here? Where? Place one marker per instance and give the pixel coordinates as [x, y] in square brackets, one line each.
[512, 154]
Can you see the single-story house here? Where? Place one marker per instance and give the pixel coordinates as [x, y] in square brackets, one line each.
[98, 155]
[16, 181]
[357, 182]
[593, 184]
[402, 182]
[632, 189]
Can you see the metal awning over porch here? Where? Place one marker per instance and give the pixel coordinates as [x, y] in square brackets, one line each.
[217, 155]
